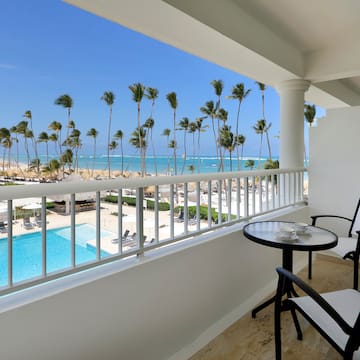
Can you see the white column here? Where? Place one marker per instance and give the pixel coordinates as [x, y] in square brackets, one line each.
[292, 122]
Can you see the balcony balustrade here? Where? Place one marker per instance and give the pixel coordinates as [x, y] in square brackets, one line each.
[192, 204]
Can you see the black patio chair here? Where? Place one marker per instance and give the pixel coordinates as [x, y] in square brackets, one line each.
[335, 315]
[348, 247]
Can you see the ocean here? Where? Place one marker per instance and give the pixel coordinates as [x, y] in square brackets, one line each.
[163, 165]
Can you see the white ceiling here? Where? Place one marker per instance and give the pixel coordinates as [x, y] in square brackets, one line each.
[308, 25]
[267, 40]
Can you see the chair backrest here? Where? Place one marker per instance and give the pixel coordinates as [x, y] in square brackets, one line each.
[355, 224]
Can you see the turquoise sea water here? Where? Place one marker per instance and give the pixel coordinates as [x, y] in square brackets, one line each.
[27, 252]
[163, 164]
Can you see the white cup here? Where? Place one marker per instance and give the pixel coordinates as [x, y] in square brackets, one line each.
[287, 232]
[301, 226]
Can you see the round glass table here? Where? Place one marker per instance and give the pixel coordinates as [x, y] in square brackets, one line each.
[270, 233]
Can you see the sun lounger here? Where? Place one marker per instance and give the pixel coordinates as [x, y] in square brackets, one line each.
[27, 224]
[124, 237]
[3, 228]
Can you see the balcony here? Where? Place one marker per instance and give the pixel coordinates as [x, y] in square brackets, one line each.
[185, 280]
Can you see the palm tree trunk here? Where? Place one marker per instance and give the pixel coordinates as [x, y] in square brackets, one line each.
[184, 160]
[108, 144]
[268, 145]
[175, 164]
[122, 158]
[93, 165]
[261, 139]
[153, 152]
[236, 134]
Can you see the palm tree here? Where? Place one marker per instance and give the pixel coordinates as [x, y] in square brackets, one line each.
[152, 94]
[309, 113]
[259, 128]
[22, 128]
[28, 115]
[250, 164]
[66, 158]
[222, 115]
[56, 127]
[192, 130]
[112, 147]
[14, 130]
[262, 88]
[44, 137]
[172, 99]
[240, 141]
[138, 91]
[167, 132]
[54, 138]
[191, 168]
[93, 133]
[238, 93]
[199, 128]
[218, 86]
[52, 167]
[75, 143]
[184, 126]
[227, 141]
[119, 135]
[137, 140]
[109, 98]
[67, 102]
[149, 124]
[6, 143]
[210, 111]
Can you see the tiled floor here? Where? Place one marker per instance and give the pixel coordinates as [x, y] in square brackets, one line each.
[250, 339]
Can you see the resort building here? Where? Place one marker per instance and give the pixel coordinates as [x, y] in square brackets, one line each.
[168, 295]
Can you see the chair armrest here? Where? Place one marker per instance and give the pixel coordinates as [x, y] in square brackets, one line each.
[315, 217]
[285, 275]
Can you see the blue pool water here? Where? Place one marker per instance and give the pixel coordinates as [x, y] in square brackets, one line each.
[27, 252]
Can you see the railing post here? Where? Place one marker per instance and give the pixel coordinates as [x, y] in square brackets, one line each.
[10, 244]
[120, 221]
[72, 224]
[140, 219]
[98, 226]
[156, 210]
[43, 235]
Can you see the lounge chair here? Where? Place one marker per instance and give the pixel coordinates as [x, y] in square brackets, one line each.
[27, 223]
[37, 220]
[3, 228]
[124, 237]
[180, 218]
[348, 247]
[335, 315]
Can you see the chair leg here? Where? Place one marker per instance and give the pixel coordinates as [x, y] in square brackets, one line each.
[297, 324]
[310, 265]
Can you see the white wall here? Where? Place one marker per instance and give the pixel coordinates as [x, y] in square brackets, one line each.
[334, 168]
[158, 308]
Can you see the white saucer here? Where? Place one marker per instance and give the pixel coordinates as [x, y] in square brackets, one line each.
[286, 237]
[304, 232]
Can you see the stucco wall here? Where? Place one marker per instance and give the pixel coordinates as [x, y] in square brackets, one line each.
[167, 305]
[334, 168]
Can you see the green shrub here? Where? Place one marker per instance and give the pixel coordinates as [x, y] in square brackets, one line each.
[131, 201]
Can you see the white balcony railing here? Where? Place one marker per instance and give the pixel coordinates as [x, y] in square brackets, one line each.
[181, 207]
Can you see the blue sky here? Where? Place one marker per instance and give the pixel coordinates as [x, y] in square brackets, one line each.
[50, 48]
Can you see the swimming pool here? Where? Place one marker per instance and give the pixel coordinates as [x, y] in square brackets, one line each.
[27, 251]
